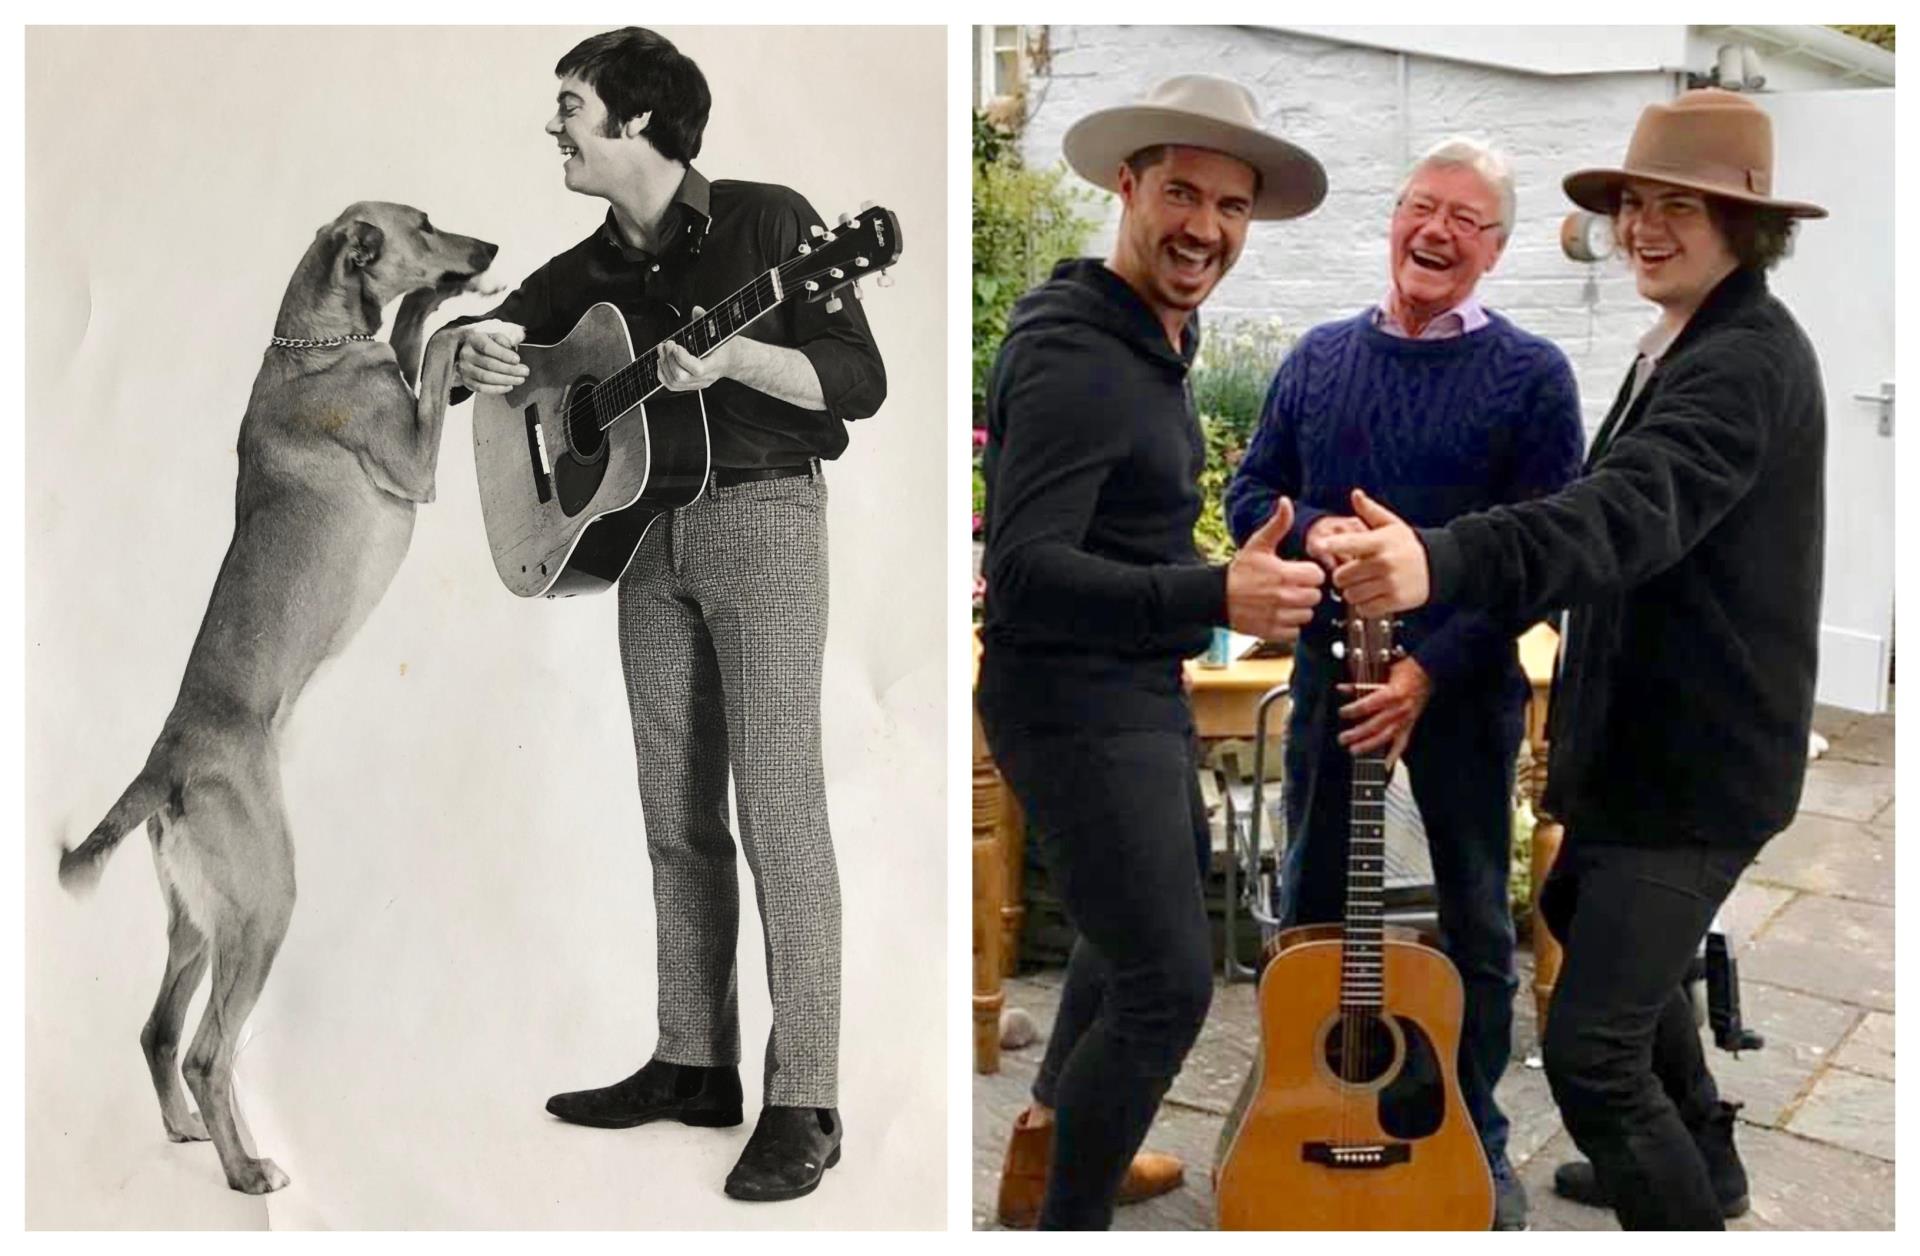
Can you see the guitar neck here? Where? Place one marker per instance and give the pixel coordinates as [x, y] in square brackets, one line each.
[1362, 976]
[639, 380]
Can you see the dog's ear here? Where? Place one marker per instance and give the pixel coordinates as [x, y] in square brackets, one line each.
[361, 244]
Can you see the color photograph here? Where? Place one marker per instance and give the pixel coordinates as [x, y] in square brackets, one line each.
[1433, 599]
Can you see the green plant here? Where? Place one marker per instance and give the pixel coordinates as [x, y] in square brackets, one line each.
[1229, 381]
[1023, 222]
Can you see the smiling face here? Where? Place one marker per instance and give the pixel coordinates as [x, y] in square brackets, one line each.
[1446, 233]
[1677, 253]
[596, 163]
[1182, 225]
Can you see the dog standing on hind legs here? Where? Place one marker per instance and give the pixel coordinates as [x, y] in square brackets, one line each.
[336, 451]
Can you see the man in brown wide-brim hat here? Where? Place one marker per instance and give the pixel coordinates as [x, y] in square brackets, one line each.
[1690, 556]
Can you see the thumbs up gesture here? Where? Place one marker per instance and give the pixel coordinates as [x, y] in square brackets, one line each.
[1384, 569]
[1267, 596]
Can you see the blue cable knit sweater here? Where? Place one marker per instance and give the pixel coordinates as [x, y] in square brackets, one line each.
[1432, 429]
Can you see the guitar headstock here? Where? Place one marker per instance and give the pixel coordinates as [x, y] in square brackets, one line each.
[862, 244]
[1369, 649]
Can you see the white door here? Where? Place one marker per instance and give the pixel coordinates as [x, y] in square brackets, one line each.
[1835, 148]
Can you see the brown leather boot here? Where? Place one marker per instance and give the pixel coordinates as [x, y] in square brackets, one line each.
[1023, 1179]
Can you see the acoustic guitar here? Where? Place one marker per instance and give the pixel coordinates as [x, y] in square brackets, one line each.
[578, 462]
[1356, 1120]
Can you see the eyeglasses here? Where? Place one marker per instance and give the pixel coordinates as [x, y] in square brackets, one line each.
[1459, 222]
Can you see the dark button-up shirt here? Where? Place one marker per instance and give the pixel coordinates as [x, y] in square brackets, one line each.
[718, 237]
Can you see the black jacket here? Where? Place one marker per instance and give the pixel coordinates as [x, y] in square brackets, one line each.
[1092, 472]
[1690, 553]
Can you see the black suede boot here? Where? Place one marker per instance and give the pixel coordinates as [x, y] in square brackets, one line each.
[790, 1151]
[659, 1091]
[1577, 1181]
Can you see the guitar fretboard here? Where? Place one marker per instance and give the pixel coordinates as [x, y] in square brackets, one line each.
[640, 379]
[1361, 976]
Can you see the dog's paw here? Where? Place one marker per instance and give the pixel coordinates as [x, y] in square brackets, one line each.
[257, 1177]
[189, 1129]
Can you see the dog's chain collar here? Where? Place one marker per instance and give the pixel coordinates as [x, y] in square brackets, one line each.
[296, 342]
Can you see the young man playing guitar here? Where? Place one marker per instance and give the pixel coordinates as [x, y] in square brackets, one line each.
[723, 611]
[1690, 554]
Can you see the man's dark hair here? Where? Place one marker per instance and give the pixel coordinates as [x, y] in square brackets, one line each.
[1757, 235]
[635, 71]
[1151, 156]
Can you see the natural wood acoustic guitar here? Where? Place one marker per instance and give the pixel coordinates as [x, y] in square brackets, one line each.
[1356, 1120]
[578, 461]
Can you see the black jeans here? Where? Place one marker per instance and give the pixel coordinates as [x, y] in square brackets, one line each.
[1461, 759]
[1622, 1050]
[1119, 820]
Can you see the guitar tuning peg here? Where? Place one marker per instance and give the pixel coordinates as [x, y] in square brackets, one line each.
[816, 230]
[813, 286]
[857, 294]
[861, 262]
[1340, 649]
[836, 272]
[805, 249]
[865, 206]
[885, 280]
[833, 304]
[846, 220]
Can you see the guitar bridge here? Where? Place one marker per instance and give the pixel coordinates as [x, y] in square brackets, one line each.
[537, 455]
[1356, 1155]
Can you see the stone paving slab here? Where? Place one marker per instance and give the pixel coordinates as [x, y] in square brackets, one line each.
[1869, 1048]
[1836, 949]
[1823, 855]
[1867, 740]
[1802, 1032]
[1847, 791]
[1751, 906]
[1849, 1110]
[1797, 1184]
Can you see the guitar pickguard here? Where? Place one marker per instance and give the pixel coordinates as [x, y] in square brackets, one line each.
[1414, 1103]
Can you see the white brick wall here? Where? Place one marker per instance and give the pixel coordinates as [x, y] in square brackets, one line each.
[1343, 103]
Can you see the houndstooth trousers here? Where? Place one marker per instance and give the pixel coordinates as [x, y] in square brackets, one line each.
[723, 620]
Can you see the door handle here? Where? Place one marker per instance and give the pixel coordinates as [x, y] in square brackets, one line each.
[1883, 399]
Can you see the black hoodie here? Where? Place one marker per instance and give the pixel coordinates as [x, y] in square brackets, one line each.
[1092, 466]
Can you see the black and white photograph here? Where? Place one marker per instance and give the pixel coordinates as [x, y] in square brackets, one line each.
[486, 628]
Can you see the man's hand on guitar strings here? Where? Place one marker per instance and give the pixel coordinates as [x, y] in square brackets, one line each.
[681, 371]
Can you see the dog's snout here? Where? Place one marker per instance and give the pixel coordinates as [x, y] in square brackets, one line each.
[484, 253]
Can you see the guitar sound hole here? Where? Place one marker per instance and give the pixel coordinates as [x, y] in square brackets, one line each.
[1358, 1047]
[584, 436]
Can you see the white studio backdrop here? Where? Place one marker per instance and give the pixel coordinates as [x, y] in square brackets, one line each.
[475, 925]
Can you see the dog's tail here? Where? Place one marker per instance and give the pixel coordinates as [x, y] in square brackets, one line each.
[80, 867]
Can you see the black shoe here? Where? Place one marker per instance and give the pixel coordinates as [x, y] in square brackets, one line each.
[790, 1151]
[1509, 1197]
[658, 1092]
[1577, 1181]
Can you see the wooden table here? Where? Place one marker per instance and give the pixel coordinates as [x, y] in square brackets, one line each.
[1224, 701]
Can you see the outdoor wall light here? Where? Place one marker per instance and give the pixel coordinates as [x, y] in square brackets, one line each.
[1586, 237]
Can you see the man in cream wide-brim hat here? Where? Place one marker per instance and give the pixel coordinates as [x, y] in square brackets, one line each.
[1690, 554]
[1094, 595]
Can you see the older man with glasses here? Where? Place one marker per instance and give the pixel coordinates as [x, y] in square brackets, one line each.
[1435, 403]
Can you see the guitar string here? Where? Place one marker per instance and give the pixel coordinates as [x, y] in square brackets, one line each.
[763, 292]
